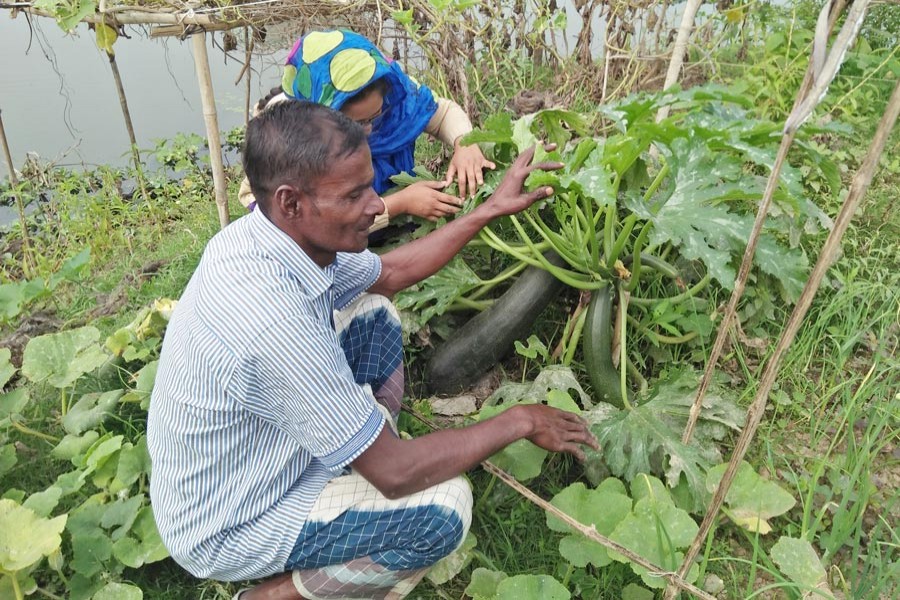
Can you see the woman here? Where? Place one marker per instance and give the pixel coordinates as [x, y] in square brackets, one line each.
[345, 71]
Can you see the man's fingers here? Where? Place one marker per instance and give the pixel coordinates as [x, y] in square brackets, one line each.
[547, 166]
[489, 165]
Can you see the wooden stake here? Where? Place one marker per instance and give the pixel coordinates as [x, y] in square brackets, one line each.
[678, 50]
[129, 125]
[207, 98]
[20, 205]
[827, 257]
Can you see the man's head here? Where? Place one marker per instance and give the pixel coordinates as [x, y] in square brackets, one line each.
[311, 172]
[295, 142]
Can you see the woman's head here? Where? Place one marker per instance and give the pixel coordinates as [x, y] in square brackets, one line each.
[368, 107]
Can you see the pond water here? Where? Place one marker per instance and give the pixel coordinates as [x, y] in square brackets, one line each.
[59, 99]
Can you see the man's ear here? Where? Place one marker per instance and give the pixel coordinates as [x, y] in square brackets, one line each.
[288, 201]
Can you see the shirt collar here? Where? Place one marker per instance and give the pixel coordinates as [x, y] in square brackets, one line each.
[286, 251]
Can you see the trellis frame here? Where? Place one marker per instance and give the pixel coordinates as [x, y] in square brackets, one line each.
[820, 73]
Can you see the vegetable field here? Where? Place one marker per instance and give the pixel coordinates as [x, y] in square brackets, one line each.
[630, 298]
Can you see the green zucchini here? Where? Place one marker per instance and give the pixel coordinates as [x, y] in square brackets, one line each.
[486, 338]
[598, 348]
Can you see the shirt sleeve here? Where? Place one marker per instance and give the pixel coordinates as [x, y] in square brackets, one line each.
[449, 121]
[298, 380]
[354, 273]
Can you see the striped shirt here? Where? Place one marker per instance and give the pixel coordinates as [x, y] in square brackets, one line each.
[254, 407]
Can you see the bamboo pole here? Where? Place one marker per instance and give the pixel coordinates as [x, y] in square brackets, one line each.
[678, 50]
[129, 125]
[814, 87]
[829, 254]
[20, 205]
[207, 98]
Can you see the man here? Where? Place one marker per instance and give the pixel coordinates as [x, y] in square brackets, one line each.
[265, 398]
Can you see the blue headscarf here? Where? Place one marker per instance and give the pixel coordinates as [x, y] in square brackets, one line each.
[331, 67]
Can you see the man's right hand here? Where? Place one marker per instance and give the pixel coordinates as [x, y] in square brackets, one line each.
[510, 196]
[558, 430]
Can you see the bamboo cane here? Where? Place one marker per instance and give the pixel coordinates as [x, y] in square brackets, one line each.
[129, 125]
[829, 254]
[20, 205]
[207, 99]
[678, 50]
[803, 107]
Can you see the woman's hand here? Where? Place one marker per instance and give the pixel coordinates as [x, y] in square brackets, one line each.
[467, 164]
[423, 199]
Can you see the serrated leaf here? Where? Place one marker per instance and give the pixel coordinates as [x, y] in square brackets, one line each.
[91, 410]
[434, 295]
[26, 538]
[751, 500]
[483, 585]
[692, 214]
[531, 587]
[61, 358]
[635, 441]
[119, 591]
[98, 454]
[798, 560]
[550, 378]
[450, 566]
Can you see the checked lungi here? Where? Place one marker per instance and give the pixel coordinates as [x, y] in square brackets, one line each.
[356, 543]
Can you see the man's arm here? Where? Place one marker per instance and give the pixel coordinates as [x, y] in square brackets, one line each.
[398, 467]
[413, 262]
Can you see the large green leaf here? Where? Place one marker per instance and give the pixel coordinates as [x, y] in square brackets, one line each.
[7, 370]
[119, 591]
[61, 358]
[449, 567]
[798, 560]
[72, 446]
[12, 403]
[657, 530]
[483, 585]
[43, 502]
[142, 545]
[26, 538]
[531, 587]
[91, 410]
[8, 458]
[603, 507]
[751, 500]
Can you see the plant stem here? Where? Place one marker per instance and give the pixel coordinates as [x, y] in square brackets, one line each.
[15, 584]
[657, 181]
[63, 405]
[29, 431]
[572, 344]
[678, 298]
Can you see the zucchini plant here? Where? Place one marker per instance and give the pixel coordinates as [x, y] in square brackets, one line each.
[649, 233]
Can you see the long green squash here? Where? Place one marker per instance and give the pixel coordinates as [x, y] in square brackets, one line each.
[489, 336]
[598, 348]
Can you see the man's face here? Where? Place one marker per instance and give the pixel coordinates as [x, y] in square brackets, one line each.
[339, 210]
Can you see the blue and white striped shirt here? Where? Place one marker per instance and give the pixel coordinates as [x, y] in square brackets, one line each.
[254, 407]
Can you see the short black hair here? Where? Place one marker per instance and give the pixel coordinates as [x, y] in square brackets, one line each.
[295, 142]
